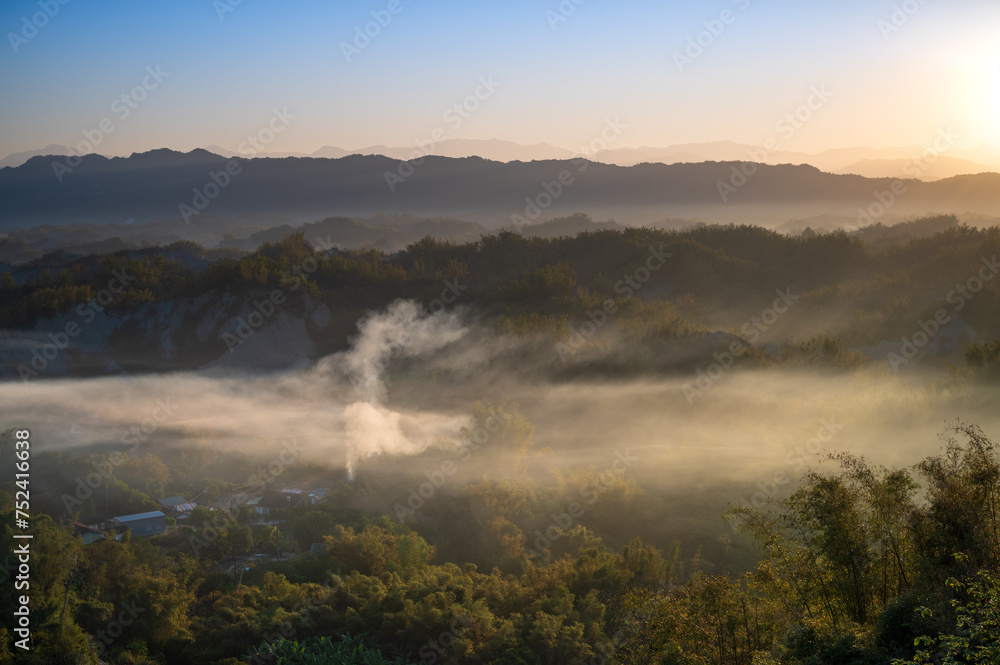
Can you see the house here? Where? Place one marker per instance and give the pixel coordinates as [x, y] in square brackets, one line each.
[279, 500]
[91, 533]
[87, 533]
[105, 527]
[143, 524]
[317, 495]
[177, 507]
[171, 501]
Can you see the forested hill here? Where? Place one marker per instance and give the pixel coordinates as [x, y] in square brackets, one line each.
[497, 543]
[867, 292]
[164, 184]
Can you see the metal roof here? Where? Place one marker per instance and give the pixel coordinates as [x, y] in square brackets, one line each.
[89, 529]
[140, 516]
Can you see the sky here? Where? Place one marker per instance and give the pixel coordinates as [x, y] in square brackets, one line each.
[889, 73]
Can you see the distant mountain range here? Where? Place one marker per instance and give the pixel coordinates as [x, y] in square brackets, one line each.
[877, 162]
[869, 162]
[494, 149]
[942, 167]
[168, 185]
[18, 158]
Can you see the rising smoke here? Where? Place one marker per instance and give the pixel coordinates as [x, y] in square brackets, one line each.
[409, 380]
[403, 330]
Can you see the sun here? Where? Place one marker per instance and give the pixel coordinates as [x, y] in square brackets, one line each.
[993, 105]
[989, 112]
[976, 107]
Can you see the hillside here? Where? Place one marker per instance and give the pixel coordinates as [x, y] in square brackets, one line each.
[167, 185]
[185, 305]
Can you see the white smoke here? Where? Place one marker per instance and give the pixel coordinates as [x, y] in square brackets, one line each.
[745, 428]
[337, 407]
[403, 330]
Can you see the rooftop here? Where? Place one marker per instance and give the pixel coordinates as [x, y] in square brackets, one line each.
[140, 516]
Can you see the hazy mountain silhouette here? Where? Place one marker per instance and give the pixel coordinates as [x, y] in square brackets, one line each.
[836, 160]
[18, 158]
[154, 185]
[493, 149]
[387, 234]
[942, 167]
[567, 226]
[219, 150]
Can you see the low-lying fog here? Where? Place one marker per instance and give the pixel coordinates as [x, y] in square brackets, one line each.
[411, 379]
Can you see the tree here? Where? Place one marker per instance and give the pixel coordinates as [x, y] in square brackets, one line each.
[963, 490]
[240, 538]
[984, 358]
[342, 650]
[311, 527]
[502, 429]
[976, 636]
[200, 516]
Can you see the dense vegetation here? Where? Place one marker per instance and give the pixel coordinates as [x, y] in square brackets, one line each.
[861, 565]
[849, 290]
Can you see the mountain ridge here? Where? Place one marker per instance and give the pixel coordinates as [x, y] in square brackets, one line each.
[831, 160]
[165, 184]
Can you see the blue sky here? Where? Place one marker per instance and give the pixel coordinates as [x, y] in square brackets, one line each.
[557, 84]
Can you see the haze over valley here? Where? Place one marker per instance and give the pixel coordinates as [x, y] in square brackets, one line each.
[569, 333]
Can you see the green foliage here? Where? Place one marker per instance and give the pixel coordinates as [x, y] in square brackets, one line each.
[320, 651]
[712, 619]
[500, 429]
[716, 277]
[975, 638]
[553, 285]
[984, 359]
[823, 352]
[963, 487]
[376, 550]
[849, 562]
[858, 554]
[311, 527]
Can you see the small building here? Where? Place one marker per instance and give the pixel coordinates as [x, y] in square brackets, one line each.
[183, 511]
[92, 533]
[143, 524]
[280, 500]
[171, 501]
[307, 497]
[89, 534]
[177, 507]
